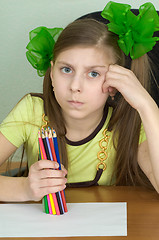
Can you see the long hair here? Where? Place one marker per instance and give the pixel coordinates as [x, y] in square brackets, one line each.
[125, 121]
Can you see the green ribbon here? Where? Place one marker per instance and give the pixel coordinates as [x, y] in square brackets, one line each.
[40, 48]
[135, 32]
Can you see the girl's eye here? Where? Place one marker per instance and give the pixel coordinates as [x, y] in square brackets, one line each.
[93, 74]
[66, 70]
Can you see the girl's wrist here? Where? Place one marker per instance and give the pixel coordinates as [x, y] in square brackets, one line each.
[148, 109]
[26, 196]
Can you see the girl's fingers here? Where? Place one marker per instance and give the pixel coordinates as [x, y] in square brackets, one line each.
[44, 178]
[38, 193]
[63, 169]
[50, 173]
[117, 72]
[119, 69]
[52, 182]
[113, 78]
[120, 78]
[44, 164]
[125, 81]
[47, 190]
[112, 91]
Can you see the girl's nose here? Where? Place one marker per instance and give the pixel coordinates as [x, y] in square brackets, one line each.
[76, 83]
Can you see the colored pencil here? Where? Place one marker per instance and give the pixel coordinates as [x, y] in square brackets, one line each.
[54, 195]
[39, 159]
[41, 154]
[45, 155]
[58, 194]
[58, 160]
[53, 203]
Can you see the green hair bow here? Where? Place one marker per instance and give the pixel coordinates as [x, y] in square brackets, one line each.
[40, 47]
[135, 32]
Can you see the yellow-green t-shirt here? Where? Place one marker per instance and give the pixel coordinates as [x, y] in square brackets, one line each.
[21, 127]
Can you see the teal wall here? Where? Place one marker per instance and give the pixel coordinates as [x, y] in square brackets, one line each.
[17, 18]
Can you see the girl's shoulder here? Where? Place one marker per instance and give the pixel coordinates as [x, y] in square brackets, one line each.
[23, 120]
[30, 102]
[36, 95]
[34, 98]
[29, 107]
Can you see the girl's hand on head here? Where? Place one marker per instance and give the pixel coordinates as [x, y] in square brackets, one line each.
[43, 179]
[108, 89]
[111, 90]
[125, 81]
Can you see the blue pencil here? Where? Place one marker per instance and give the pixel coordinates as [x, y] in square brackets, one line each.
[56, 148]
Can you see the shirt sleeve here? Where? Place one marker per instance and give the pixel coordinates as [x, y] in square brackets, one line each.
[142, 136]
[16, 127]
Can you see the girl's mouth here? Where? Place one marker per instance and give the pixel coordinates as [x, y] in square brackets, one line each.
[75, 103]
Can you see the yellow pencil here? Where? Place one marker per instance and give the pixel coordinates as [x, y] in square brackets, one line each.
[52, 204]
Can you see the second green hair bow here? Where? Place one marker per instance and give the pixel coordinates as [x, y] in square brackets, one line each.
[135, 32]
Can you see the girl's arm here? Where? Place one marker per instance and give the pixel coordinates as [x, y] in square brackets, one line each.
[42, 179]
[145, 163]
[11, 189]
[128, 85]
[148, 156]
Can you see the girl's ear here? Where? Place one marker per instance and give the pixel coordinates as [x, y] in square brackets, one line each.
[51, 72]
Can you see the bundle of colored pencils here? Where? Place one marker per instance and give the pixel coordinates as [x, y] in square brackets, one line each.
[53, 203]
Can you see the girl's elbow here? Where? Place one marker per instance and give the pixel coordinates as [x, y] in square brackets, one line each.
[156, 185]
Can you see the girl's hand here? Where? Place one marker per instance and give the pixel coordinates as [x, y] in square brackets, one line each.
[125, 81]
[43, 179]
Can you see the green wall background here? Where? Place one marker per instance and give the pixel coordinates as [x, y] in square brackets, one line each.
[17, 18]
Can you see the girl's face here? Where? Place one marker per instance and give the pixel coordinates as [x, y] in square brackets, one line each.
[77, 77]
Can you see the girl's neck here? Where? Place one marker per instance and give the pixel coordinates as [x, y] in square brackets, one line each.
[78, 129]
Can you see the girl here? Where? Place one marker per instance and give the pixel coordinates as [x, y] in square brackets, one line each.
[96, 106]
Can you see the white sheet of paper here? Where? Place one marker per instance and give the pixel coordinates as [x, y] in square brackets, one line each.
[82, 219]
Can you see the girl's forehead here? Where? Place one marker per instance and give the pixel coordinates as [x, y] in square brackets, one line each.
[92, 54]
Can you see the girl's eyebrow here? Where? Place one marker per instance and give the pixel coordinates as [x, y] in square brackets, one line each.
[64, 63]
[87, 67]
